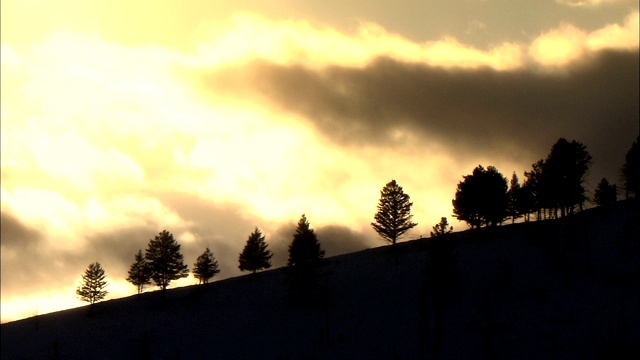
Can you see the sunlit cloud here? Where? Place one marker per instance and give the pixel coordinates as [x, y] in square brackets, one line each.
[614, 36]
[589, 3]
[567, 43]
[298, 42]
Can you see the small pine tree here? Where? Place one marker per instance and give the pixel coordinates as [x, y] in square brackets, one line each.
[206, 267]
[442, 228]
[305, 251]
[255, 256]
[166, 262]
[139, 274]
[605, 194]
[92, 288]
[394, 213]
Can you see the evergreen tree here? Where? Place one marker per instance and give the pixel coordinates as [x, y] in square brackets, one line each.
[206, 267]
[605, 194]
[139, 274]
[305, 251]
[515, 197]
[631, 170]
[394, 213]
[481, 198]
[442, 228]
[305, 259]
[93, 286]
[537, 188]
[566, 166]
[166, 262]
[525, 201]
[255, 256]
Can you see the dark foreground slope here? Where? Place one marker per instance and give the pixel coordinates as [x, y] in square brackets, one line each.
[560, 289]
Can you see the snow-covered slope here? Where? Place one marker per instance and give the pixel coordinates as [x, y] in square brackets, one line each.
[565, 289]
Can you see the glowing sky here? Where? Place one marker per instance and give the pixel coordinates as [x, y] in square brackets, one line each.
[208, 118]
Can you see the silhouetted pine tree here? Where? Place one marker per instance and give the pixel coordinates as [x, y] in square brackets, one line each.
[515, 195]
[631, 170]
[139, 274]
[206, 267]
[255, 256]
[537, 185]
[305, 251]
[566, 167]
[305, 259]
[526, 201]
[394, 213]
[442, 228]
[166, 262]
[481, 198]
[92, 288]
[606, 194]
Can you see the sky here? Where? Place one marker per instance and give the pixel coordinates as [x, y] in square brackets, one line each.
[209, 118]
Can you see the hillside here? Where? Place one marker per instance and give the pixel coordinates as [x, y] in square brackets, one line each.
[555, 289]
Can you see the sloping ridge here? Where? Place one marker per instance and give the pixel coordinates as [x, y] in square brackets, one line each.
[555, 289]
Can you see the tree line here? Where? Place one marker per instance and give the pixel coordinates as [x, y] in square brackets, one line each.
[163, 262]
[553, 187]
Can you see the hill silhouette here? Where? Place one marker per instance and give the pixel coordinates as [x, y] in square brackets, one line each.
[554, 289]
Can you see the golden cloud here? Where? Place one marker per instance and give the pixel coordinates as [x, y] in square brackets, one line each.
[567, 43]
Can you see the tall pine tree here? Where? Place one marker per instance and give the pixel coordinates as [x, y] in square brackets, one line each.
[166, 262]
[206, 267]
[394, 213]
[305, 251]
[566, 167]
[514, 193]
[139, 274]
[255, 256]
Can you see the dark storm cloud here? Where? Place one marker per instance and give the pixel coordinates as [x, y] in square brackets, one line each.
[28, 263]
[336, 240]
[16, 235]
[19, 239]
[506, 114]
